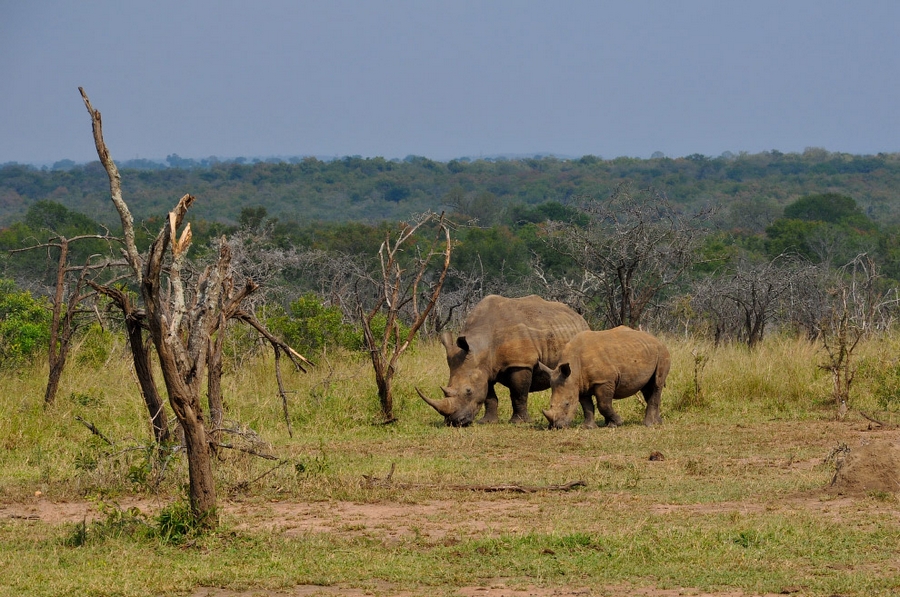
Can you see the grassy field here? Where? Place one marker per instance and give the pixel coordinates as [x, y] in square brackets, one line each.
[736, 500]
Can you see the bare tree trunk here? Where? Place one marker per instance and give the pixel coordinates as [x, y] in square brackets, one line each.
[57, 364]
[386, 396]
[140, 356]
[181, 336]
[65, 310]
[182, 322]
[58, 351]
[143, 368]
[214, 377]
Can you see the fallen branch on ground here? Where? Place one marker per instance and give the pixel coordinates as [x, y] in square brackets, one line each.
[243, 485]
[373, 481]
[516, 488]
[245, 450]
[873, 419]
[94, 430]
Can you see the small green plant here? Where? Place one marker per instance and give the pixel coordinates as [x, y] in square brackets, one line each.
[95, 347]
[91, 398]
[147, 471]
[749, 539]
[86, 460]
[78, 537]
[115, 522]
[176, 524]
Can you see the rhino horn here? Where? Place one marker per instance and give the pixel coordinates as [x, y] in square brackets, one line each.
[444, 407]
[548, 415]
[449, 392]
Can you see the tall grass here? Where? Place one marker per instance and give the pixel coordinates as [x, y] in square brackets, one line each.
[336, 401]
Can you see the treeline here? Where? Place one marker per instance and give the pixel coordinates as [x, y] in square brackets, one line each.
[755, 186]
[732, 247]
[634, 257]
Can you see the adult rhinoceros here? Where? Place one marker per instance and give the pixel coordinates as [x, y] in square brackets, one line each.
[607, 365]
[503, 341]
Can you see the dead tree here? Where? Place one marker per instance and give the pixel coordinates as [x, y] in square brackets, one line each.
[67, 306]
[397, 293]
[181, 321]
[858, 307]
[634, 246]
[744, 301]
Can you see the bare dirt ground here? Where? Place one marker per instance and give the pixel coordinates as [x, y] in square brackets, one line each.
[873, 466]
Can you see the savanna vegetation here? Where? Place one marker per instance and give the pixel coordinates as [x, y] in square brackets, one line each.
[738, 498]
[141, 342]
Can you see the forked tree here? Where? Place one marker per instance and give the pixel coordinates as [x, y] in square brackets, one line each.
[406, 291]
[67, 303]
[181, 321]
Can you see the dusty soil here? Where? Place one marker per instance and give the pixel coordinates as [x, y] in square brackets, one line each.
[873, 466]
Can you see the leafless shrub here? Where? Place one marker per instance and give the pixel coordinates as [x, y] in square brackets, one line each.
[634, 246]
[859, 306]
[747, 299]
[406, 289]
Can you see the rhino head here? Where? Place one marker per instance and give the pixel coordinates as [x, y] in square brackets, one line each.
[563, 397]
[468, 386]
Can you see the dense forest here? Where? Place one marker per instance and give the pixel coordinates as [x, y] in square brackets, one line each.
[754, 187]
[730, 247]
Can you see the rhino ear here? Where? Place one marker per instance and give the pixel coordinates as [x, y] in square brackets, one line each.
[447, 340]
[545, 369]
[565, 369]
[462, 343]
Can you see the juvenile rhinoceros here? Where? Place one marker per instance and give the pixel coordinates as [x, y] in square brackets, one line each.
[503, 341]
[607, 365]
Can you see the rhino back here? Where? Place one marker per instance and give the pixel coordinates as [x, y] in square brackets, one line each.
[622, 355]
[520, 332]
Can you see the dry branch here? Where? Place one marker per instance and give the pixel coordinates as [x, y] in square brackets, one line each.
[94, 430]
[115, 187]
[873, 420]
[517, 488]
[373, 481]
[245, 450]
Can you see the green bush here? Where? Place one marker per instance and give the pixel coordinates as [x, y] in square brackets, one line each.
[24, 325]
[309, 326]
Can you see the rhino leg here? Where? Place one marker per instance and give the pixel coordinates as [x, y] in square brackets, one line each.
[587, 406]
[653, 392]
[490, 407]
[653, 395]
[604, 394]
[519, 383]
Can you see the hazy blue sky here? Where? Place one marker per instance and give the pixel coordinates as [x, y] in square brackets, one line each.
[448, 79]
